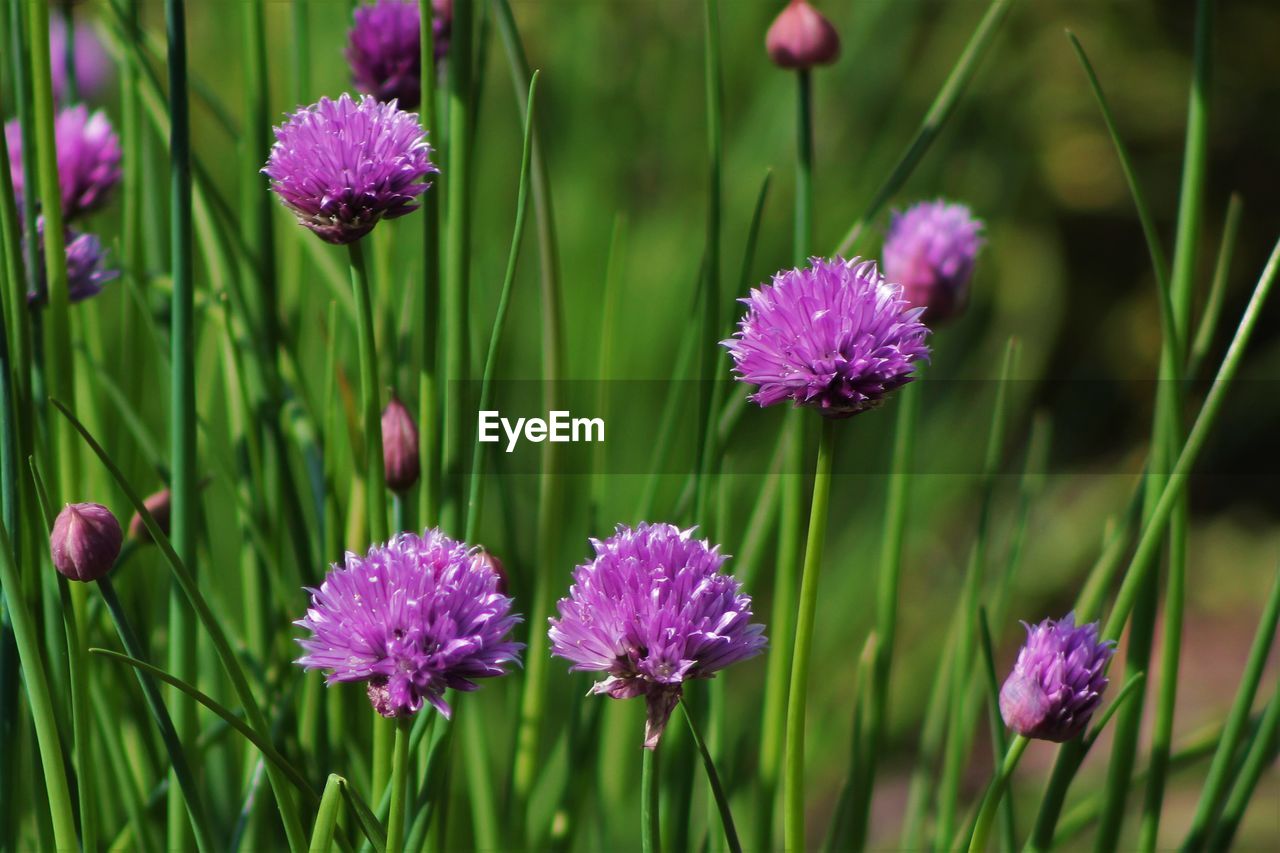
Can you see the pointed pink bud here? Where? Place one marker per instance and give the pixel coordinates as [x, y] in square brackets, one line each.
[800, 37]
[85, 541]
[399, 447]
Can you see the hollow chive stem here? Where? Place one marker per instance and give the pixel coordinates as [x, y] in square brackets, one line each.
[151, 692]
[793, 779]
[399, 787]
[650, 825]
[991, 802]
[713, 778]
[375, 485]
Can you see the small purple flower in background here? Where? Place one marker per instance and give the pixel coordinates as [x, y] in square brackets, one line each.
[400, 452]
[342, 166]
[384, 48]
[835, 336]
[413, 617]
[653, 610]
[1057, 681]
[86, 276]
[929, 250]
[93, 66]
[88, 159]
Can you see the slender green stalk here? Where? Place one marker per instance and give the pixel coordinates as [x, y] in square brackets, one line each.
[802, 237]
[399, 788]
[934, 120]
[327, 816]
[188, 790]
[650, 823]
[1208, 326]
[999, 735]
[59, 363]
[427, 337]
[897, 503]
[982, 828]
[550, 520]
[182, 427]
[793, 783]
[500, 315]
[710, 356]
[42, 715]
[1262, 754]
[455, 323]
[370, 411]
[713, 778]
[1221, 769]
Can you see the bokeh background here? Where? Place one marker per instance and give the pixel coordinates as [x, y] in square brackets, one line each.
[1065, 272]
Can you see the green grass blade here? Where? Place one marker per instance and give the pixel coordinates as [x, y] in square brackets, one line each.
[1208, 326]
[935, 119]
[369, 825]
[1220, 769]
[1261, 754]
[713, 779]
[327, 815]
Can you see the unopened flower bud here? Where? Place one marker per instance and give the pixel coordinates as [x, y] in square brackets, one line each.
[930, 250]
[85, 541]
[800, 37]
[160, 505]
[399, 447]
[496, 565]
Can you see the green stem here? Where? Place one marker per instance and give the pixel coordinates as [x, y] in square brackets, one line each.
[1220, 770]
[650, 825]
[793, 783]
[327, 816]
[455, 328]
[1261, 755]
[982, 828]
[428, 377]
[190, 792]
[399, 788]
[37, 684]
[713, 778]
[371, 412]
[803, 236]
[182, 648]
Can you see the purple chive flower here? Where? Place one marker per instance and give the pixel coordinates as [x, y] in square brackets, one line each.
[86, 276]
[342, 166]
[929, 250]
[88, 159]
[1057, 681]
[93, 66]
[835, 336]
[384, 48]
[412, 618]
[801, 37]
[653, 610]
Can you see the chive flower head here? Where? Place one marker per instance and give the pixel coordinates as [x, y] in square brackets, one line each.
[411, 618]
[652, 610]
[1057, 681]
[835, 336]
[87, 274]
[88, 159]
[930, 250]
[92, 65]
[85, 541]
[343, 166]
[384, 48]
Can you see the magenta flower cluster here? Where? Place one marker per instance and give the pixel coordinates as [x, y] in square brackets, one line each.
[384, 48]
[835, 336]
[1057, 681]
[652, 610]
[930, 250]
[411, 618]
[88, 160]
[86, 273]
[342, 166]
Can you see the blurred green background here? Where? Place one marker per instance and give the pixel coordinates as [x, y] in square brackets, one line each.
[1065, 271]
